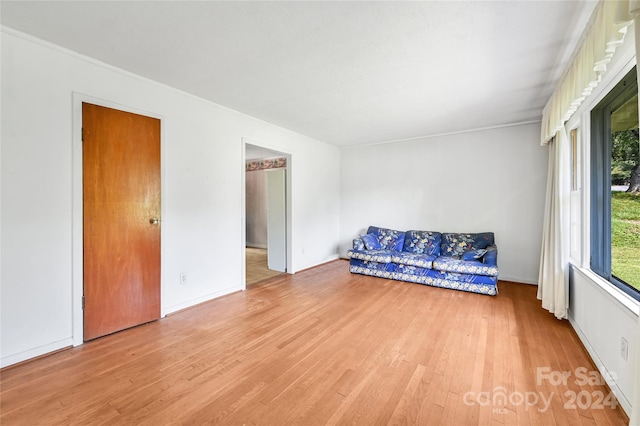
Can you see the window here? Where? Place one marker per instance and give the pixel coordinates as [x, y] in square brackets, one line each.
[575, 200]
[574, 160]
[615, 213]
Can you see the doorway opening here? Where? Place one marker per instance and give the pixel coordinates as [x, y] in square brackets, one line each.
[266, 213]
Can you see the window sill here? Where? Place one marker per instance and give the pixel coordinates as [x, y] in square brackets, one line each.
[622, 298]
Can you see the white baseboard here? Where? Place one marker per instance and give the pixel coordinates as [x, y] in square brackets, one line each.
[260, 246]
[8, 360]
[180, 306]
[327, 260]
[517, 280]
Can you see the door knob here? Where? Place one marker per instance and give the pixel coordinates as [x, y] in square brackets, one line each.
[154, 221]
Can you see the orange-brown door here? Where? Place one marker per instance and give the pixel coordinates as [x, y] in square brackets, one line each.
[121, 196]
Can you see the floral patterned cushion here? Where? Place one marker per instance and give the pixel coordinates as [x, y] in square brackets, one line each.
[451, 264]
[422, 242]
[455, 245]
[381, 256]
[413, 259]
[389, 239]
[384, 270]
[371, 242]
[474, 254]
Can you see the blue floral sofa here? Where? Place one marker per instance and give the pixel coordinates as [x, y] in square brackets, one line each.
[458, 261]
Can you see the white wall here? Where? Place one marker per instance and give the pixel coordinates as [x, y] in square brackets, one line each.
[489, 180]
[202, 172]
[601, 322]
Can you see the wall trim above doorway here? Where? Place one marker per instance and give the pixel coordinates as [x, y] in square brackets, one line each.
[275, 163]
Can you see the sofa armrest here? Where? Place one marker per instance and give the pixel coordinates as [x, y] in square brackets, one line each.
[358, 244]
[491, 257]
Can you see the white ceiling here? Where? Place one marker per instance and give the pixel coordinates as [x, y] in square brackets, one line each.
[346, 73]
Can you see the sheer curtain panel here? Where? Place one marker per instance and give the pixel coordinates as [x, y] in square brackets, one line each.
[553, 278]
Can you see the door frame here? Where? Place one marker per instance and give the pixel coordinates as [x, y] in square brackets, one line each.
[243, 196]
[77, 259]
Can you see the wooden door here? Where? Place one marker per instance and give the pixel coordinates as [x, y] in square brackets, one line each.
[121, 197]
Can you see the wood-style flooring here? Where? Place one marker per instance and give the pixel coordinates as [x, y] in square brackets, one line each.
[319, 347]
[257, 266]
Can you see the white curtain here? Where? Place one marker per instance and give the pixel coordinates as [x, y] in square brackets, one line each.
[553, 277]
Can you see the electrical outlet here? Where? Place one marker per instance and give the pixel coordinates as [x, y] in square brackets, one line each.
[624, 348]
[183, 278]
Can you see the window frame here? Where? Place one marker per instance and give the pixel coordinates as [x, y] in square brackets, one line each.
[600, 180]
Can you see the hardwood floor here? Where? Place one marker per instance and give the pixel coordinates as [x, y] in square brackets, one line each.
[321, 347]
[257, 266]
